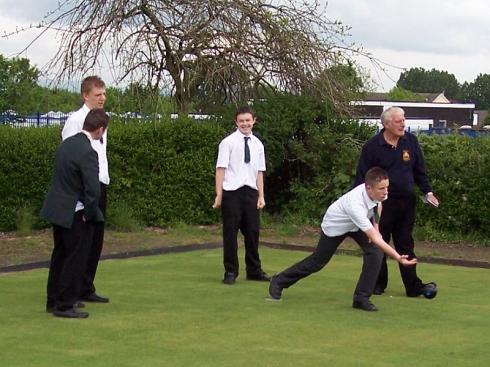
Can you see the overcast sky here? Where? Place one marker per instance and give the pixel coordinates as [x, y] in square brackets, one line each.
[451, 35]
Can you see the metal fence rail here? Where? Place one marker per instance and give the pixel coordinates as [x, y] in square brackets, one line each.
[14, 119]
[473, 133]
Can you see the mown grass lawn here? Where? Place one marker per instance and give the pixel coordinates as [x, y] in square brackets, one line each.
[172, 310]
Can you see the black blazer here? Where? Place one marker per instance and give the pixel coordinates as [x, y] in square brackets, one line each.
[75, 178]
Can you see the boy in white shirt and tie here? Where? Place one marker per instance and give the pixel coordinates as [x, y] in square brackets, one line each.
[240, 194]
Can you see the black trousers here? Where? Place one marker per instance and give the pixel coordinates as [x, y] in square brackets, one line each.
[326, 247]
[397, 221]
[88, 286]
[68, 262]
[239, 210]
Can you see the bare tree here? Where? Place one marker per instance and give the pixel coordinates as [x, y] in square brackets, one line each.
[229, 47]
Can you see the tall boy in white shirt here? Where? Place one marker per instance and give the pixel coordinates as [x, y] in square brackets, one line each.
[94, 95]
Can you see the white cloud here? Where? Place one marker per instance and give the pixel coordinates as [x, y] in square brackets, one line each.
[41, 51]
[15, 44]
[28, 10]
[449, 35]
[464, 67]
[432, 26]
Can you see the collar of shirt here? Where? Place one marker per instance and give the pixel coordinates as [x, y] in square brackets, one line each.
[87, 134]
[243, 135]
[382, 141]
[369, 202]
[85, 109]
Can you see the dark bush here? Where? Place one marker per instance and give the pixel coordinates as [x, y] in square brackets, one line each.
[311, 154]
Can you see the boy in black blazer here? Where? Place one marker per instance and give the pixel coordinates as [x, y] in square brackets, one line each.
[72, 206]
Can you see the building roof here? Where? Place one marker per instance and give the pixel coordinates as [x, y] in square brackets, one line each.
[428, 97]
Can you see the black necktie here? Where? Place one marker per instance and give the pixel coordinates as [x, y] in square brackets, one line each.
[376, 215]
[247, 150]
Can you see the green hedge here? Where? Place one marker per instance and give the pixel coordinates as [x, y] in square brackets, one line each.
[163, 172]
[459, 169]
[26, 161]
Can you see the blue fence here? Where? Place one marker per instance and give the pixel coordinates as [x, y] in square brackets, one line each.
[447, 131]
[444, 131]
[14, 119]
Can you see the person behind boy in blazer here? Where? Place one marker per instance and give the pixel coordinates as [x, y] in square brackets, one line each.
[93, 94]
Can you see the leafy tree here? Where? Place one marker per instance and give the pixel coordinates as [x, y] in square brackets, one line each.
[20, 92]
[221, 47]
[137, 98]
[429, 81]
[353, 81]
[486, 122]
[53, 99]
[478, 91]
[401, 94]
[350, 85]
[17, 79]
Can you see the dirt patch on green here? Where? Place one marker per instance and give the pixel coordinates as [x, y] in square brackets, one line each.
[15, 250]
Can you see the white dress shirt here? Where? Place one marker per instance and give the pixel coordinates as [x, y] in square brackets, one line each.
[73, 125]
[351, 212]
[231, 156]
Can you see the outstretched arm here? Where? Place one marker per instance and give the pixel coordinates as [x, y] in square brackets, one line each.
[377, 239]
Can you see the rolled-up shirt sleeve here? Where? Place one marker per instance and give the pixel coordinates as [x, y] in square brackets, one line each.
[223, 155]
[261, 165]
